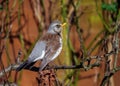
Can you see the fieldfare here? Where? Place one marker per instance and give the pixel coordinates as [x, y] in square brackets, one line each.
[47, 48]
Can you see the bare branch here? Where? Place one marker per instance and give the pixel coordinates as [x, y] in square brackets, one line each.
[82, 65]
[109, 74]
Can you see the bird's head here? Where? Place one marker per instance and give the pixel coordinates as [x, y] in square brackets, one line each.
[56, 27]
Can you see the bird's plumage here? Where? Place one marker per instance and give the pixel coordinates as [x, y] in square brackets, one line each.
[53, 48]
[38, 51]
[47, 48]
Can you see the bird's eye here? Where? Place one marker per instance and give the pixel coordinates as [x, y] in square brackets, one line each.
[58, 26]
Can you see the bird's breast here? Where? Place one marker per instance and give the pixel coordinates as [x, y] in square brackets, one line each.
[53, 45]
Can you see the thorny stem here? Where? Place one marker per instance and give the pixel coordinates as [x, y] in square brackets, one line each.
[108, 75]
[116, 46]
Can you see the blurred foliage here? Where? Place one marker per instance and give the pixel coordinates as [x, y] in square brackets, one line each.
[110, 7]
[1, 7]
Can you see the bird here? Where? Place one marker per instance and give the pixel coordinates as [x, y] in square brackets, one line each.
[47, 48]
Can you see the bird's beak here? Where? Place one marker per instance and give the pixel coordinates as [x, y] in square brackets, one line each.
[62, 25]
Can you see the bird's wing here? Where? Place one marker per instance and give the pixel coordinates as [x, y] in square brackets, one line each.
[51, 53]
[38, 51]
[48, 56]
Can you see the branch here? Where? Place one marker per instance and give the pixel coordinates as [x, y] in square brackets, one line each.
[8, 69]
[109, 74]
[36, 69]
[115, 47]
[82, 64]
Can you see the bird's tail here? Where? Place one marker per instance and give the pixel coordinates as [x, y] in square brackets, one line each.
[26, 64]
[43, 65]
[23, 65]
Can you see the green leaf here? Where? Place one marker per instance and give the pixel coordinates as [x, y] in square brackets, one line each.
[110, 7]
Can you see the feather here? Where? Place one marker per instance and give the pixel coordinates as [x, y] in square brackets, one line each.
[25, 64]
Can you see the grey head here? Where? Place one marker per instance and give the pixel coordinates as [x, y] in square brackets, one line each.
[55, 27]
